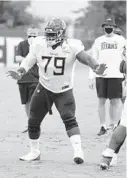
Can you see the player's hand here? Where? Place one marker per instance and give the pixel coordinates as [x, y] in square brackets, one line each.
[17, 75]
[14, 74]
[101, 69]
[91, 84]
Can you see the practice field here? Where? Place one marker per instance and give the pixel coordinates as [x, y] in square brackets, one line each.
[57, 153]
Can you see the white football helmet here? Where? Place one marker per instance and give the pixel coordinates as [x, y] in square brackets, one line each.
[55, 31]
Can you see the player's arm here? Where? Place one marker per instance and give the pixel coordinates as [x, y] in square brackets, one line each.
[19, 56]
[84, 58]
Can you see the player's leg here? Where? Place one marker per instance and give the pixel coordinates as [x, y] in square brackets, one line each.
[102, 95]
[118, 148]
[30, 88]
[23, 90]
[38, 110]
[115, 95]
[116, 142]
[27, 108]
[65, 103]
[115, 155]
[117, 139]
[115, 112]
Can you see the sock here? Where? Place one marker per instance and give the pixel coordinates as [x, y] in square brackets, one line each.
[76, 142]
[108, 152]
[34, 145]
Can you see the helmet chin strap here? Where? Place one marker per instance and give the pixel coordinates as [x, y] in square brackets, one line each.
[56, 45]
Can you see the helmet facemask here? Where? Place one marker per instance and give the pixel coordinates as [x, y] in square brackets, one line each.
[53, 38]
[55, 32]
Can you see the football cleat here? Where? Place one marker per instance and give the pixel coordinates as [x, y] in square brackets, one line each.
[31, 156]
[102, 131]
[78, 157]
[105, 163]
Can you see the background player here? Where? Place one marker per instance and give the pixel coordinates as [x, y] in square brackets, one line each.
[117, 140]
[118, 31]
[29, 81]
[56, 56]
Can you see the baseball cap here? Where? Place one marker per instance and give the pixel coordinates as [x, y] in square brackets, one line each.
[109, 21]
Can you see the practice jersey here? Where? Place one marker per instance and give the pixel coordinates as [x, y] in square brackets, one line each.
[32, 74]
[56, 67]
[109, 50]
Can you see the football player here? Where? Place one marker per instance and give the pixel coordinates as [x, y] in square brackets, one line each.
[117, 140]
[29, 81]
[119, 134]
[55, 55]
[118, 31]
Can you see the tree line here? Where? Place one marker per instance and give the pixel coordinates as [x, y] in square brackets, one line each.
[14, 14]
[88, 26]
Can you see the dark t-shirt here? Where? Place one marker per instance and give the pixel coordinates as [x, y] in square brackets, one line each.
[32, 74]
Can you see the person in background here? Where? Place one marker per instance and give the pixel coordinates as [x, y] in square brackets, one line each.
[108, 49]
[29, 81]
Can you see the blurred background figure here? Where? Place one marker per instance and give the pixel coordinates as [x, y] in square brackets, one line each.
[108, 48]
[109, 155]
[29, 81]
[118, 31]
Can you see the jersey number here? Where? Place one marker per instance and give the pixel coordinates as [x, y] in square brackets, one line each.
[56, 60]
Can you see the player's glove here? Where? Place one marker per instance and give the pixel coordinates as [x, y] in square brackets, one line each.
[100, 69]
[17, 75]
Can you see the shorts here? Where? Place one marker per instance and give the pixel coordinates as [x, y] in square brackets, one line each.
[26, 91]
[123, 120]
[109, 88]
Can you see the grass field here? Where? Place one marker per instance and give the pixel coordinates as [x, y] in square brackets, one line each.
[56, 159]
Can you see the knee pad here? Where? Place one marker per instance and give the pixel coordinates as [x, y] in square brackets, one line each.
[70, 123]
[33, 130]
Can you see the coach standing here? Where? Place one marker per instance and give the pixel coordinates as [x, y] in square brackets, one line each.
[29, 81]
[108, 49]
